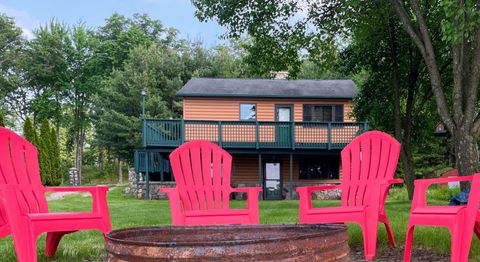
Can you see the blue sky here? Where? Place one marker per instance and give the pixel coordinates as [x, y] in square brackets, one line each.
[29, 14]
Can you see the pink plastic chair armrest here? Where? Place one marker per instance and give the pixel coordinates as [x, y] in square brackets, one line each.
[421, 186]
[98, 193]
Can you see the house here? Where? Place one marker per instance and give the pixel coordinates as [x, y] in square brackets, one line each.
[281, 133]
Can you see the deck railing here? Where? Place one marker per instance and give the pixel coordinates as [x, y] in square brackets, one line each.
[252, 134]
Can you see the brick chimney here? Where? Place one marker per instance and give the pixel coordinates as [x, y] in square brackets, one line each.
[280, 75]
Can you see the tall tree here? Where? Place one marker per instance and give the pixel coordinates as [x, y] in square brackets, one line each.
[29, 132]
[84, 84]
[379, 46]
[11, 48]
[116, 39]
[54, 154]
[48, 155]
[330, 32]
[280, 31]
[154, 69]
[461, 34]
[47, 68]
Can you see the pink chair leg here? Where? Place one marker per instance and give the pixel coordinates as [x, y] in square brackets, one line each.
[53, 239]
[391, 238]
[455, 245]
[408, 243]
[477, 229]
[370, 232]
[26, 249]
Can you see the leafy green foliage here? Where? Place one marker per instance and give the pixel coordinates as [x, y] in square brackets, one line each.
[54, 154]
[280, 31]
[87, 83]
[461, 19]
[2, 120]
[48, 155]
[11, 46]
[29, 132]
[442, 192]
[47, 68]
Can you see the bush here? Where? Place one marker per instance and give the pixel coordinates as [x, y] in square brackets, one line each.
[435, 192]
[442, 192]
[398, 194]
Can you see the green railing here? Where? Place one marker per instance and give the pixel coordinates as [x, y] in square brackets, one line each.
[252, 134]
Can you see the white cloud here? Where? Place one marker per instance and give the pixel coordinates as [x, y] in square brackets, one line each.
[22, 19]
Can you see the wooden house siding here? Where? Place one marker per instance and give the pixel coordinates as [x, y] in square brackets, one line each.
[228, 109]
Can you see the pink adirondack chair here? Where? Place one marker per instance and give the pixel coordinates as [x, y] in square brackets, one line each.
[368, 166]
[24, 209]
[202, 173]
[462, 221]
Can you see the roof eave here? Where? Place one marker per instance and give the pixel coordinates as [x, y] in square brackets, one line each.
[263, 96]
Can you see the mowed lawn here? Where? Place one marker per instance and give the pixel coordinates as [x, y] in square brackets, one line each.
[126, 211]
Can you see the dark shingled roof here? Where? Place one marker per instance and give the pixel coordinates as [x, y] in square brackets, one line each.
[235, 87]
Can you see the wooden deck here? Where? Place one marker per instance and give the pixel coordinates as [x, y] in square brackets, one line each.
[252, 134]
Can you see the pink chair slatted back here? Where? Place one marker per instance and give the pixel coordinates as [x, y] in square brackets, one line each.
[202, 173]
[372, 156]
[19, 166]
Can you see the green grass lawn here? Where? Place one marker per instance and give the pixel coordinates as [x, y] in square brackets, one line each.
[126, 211]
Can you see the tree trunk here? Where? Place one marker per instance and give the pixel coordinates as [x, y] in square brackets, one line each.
[464, 125]
[120, 171]
[406, 157]
[466, 154]
[408, 165]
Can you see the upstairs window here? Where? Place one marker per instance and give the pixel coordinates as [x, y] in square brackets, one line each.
[323, 113]
[248, 111]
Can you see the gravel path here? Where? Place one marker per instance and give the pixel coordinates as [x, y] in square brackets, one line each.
[61, 195]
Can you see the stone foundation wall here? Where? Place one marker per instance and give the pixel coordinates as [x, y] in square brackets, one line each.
[139, 190]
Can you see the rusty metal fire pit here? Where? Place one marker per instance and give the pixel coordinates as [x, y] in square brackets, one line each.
[229, 243]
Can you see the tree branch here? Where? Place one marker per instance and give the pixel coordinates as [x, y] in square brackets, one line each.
[474, 77]
[457, 94]
[476, 126]
[428, 54]
[408, 25]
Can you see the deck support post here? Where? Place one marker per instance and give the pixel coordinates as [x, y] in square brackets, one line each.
[257, 135]
[260, 173]
[329, 135]
[162, 167]
[291, 176]
[365, 126]
[137, 172]
[182, 131]
[220, 138]
[147, 176]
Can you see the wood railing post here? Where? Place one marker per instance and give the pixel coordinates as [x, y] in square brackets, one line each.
[292, 134]
[220, 143]
[329, 136]
[257, 135]
[182, 131]
[365, 126]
